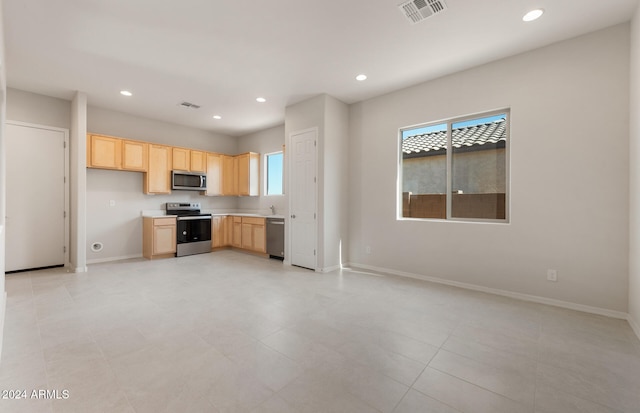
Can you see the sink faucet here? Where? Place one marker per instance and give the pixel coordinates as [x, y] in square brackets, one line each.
[273, 210]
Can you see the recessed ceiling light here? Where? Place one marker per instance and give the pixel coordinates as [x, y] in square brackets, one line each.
[261, 100]
[217, 117]
[533, 15]
[360, 78]
[126, 93]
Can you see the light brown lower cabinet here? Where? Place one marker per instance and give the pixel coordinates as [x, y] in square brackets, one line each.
[254, 234]
[220, 230]
[158, 237]
[247, 233]
[236, 238]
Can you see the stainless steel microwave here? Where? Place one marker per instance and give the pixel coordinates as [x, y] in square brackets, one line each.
[192, 181]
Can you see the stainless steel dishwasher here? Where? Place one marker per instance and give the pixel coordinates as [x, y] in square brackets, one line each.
[275, 238]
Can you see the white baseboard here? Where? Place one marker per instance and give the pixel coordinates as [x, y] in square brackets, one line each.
[634, 325]
[505, 293]
[110, 259]
[329, 269]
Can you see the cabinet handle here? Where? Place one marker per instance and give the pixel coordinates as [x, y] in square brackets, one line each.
[293, 216]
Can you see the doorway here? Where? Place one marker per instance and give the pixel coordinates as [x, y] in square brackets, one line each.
[37, 196]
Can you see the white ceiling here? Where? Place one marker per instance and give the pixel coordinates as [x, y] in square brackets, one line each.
[222, 54]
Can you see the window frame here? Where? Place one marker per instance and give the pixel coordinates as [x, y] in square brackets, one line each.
[449, 165]
[266, 173]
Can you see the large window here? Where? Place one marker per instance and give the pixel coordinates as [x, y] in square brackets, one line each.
[456, 169]
[274, 173]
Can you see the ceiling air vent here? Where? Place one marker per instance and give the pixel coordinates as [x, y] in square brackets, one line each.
[418, 10]
[189, 105]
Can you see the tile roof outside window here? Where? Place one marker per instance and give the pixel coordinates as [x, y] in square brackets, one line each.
[474, 137]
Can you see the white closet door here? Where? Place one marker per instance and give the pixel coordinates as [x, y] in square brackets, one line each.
[304, 233]
[35, 208]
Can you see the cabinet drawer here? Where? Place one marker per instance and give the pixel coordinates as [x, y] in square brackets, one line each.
[253, 220]
[164, 221]
[237, 219]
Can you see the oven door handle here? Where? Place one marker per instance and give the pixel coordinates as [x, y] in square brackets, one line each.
[193, 218]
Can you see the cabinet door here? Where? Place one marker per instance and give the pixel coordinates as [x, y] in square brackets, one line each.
[164, 239]
[214, 174]
[198, 161]
[181, 159]
[217, 232]
[135, 155]
[243, 174]
[249, 174]
[105, 152]
[227, 223]
[234, 176]
[259, 236]
[236, 240]
[228, 175]
[247, 236]
[158, 177]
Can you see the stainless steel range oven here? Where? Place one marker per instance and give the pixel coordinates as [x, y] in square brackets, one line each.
[193, 228]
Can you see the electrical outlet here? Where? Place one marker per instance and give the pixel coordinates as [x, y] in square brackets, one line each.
[367, 249]
[552, 275]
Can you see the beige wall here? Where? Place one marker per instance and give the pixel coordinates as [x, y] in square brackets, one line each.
[110, 122]
[331, 118]
[33, 108]
[3, 90]
[634, 188]
[334, 194]
[263, 142]
[569, 203]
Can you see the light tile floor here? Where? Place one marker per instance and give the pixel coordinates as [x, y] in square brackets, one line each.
[230, 332]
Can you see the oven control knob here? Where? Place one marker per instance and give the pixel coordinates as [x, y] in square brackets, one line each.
[184, 232]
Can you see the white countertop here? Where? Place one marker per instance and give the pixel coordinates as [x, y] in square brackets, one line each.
[158, 213]
[243, 214]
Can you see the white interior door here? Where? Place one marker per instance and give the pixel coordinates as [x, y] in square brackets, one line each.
[303, 199]
[36, 197]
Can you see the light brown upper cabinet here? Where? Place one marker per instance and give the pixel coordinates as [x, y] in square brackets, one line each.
[189, 160]
[198, 161]
[181, 159]
[135, 155]
[110, 152]
[229, 175]
[104, 152]
[214, 174]
[241, 174]
[158, 178]
[226, 175]
[248, 174]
